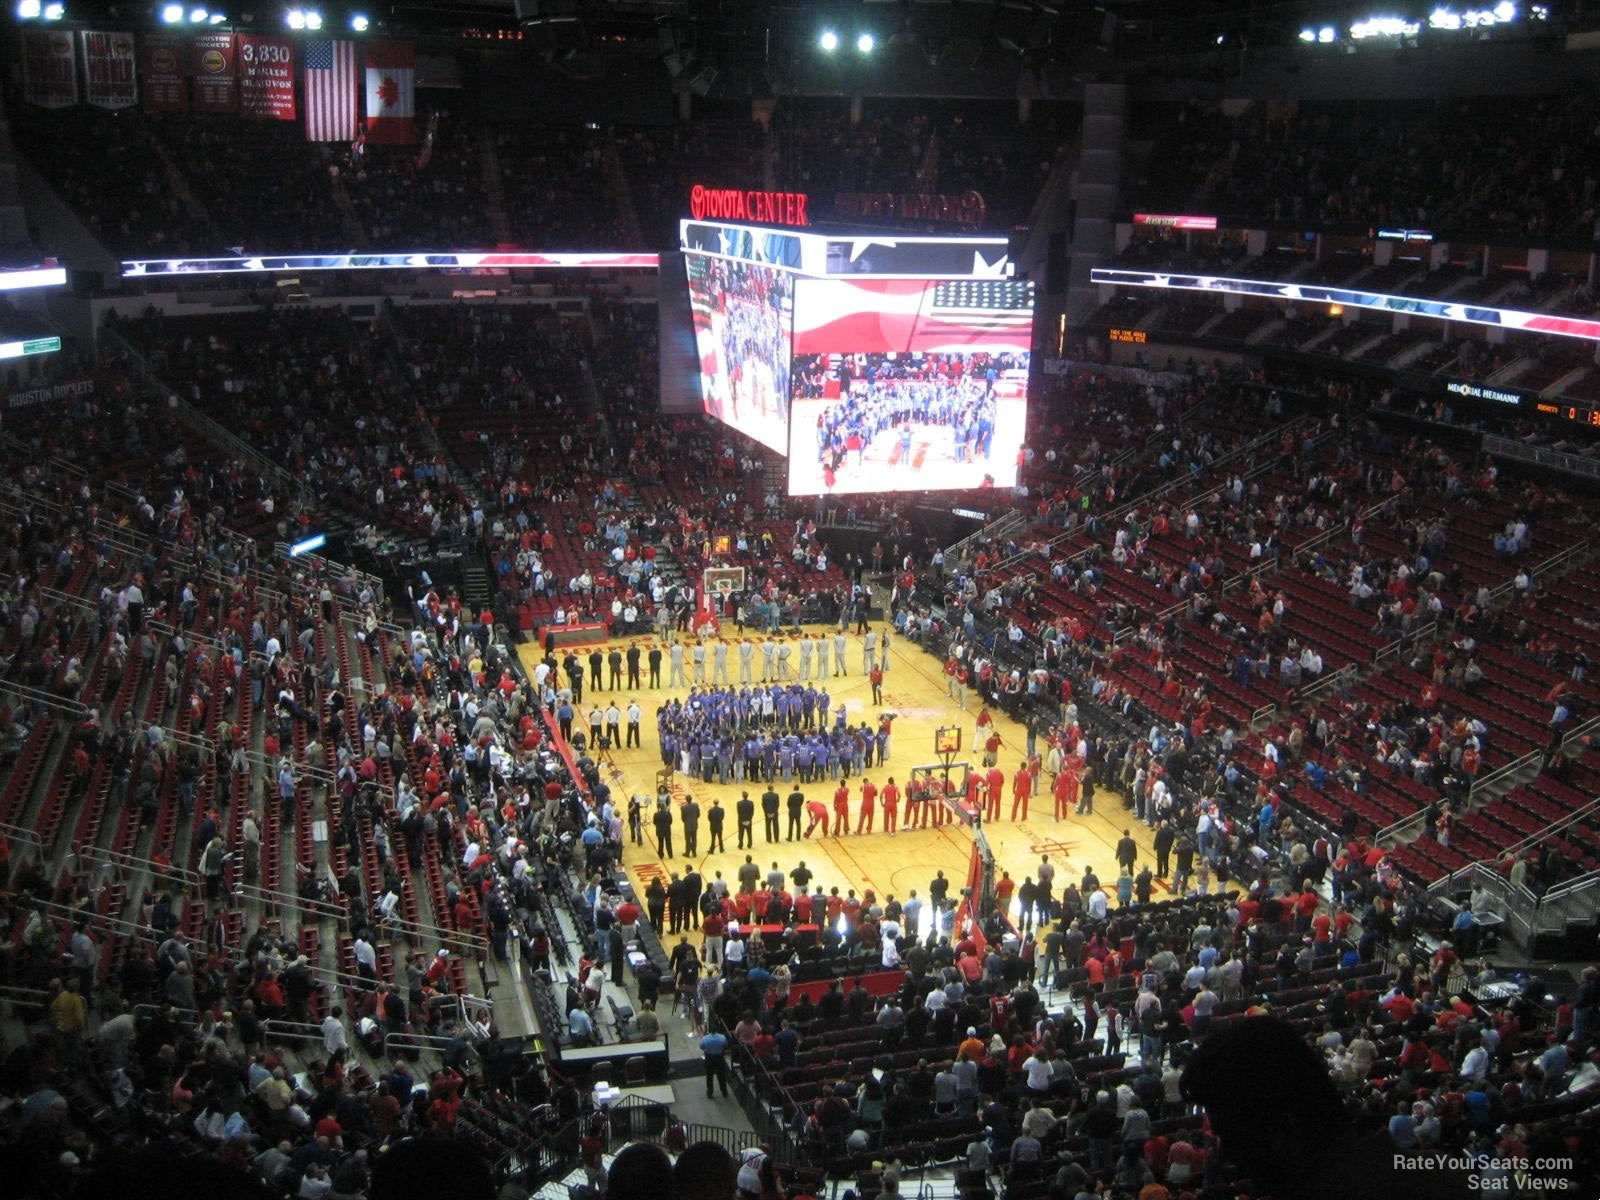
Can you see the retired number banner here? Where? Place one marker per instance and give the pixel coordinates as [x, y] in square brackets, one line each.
[266, 77]
[108, 78]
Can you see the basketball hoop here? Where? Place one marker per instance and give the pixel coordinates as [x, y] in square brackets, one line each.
[718, 586]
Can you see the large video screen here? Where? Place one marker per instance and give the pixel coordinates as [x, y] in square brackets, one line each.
[908, 385]
[743, 314]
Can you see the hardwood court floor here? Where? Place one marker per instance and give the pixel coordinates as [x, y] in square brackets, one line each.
[913, 688]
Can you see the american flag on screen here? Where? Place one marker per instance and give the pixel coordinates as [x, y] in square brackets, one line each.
[845, 316]
[330, 90]
[992, 305]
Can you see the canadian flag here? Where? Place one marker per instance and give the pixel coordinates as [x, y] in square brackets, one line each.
[391, 89]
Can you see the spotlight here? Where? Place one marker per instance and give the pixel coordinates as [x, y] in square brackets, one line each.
[1308, 35]
[218, 18]
[829, 40]
[54, 12]
[296, 19]
[865, 43]
[1221, 37]
[359, 23]
[313, 19]
[29, 10]
[197, 16]
[1326, 34]
[171, 14]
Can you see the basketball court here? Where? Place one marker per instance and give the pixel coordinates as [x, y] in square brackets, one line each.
[914, 690]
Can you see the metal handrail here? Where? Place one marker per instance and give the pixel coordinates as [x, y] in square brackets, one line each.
[1527, 915]
[11, 993]
[28, 837]
[261, 589]
[999, 527]
[1265, 567]
[1373, 510]
[70, 468]
[124, 537]
[415, 1041]
[42, 699]
[114, 924]
[54, 595]
[1515, 766]
[15, 491]
[104, 857]
[1556, 562]
[1560, 825]
[190, 636]
[1393, 649]
[273, 899]
[1332, 533]
[1572, 464]
[291, 1031]
[1334, 679]
[333, 567]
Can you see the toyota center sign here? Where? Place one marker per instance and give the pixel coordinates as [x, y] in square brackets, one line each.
[758, 208]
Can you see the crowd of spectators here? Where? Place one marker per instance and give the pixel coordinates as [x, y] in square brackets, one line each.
[420, 198]
[1509, 168]
[228, 706]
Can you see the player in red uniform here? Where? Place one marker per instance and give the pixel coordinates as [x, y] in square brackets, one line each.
[996, 783]
[1064, 790]
[891, 806]
[869, 806]
[1021, 790]
[841, 809]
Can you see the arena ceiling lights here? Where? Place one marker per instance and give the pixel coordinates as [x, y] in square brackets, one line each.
[1442, 19]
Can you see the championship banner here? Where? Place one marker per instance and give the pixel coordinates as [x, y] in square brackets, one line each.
[216, 85]
[49, 68]
[162, 68]
[266, 77]
[108, 70]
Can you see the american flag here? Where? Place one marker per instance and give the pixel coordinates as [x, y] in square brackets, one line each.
[330, 90]
[984, 304]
